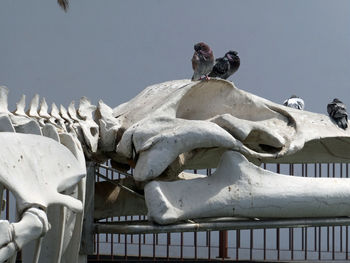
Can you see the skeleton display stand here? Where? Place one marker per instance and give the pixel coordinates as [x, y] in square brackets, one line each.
[167, 129]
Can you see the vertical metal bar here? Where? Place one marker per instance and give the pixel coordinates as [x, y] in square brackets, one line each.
[96, 239]
[7, 194]
[341, 238]
[290, 238]
[291, 230]
[106, 220]
[112, 243]
[112, 219]
[333, 227]
[306, 170]
[278, 243]
[333, 243]
[341, 228]
[144, 235]
[139, 248]
[302, 238]
[238, 237]
[305, 255]
[319, 243]
[98, 246]
[132, 236]
[98, 235]
[278, 170]
[251, 244]
[168, 240]
[328, 247]
[209, 244]
[223, 243]
[347, 228]
[195, 244]
[264, 243]
[302, 169]
[315, 228]
[347, 243]
[315, 238]
[154, 246]
[182, 246]
[125, 246]
[118, 177]
[264, 235]
[291, 233]
[319, 228]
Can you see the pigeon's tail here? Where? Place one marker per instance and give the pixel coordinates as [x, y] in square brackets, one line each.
[342, 122]
[195, 77]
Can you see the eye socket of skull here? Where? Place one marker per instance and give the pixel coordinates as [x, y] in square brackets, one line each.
[93, 131]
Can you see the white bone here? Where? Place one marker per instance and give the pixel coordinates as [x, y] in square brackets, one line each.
[89, 128]
[3, 99]
[25, 125]
[172, 137]
[43, 109]
[50, 131]
[269, 132]
[43, 182]
[64, 114]
[32, 225]
[109, 128]
[56, 118]
[239, 188]
[20, 106]
[86, 109]
[72, 111]
[33, 108]
[54, 112]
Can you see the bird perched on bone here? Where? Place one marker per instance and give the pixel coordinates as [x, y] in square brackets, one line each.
[294, 102]
[202, 61]
[227, 65]
[337, 111]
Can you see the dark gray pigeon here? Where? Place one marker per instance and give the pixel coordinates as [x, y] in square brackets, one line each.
[337, 111]
[63, 4]
[202, 61]
[227, 65]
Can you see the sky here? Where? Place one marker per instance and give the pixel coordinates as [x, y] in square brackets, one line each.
[112, 50]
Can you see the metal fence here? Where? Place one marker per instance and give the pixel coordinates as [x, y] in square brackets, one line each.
[316, 243]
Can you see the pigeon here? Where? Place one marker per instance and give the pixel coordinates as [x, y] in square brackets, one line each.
[294, 102]
[224, 67]
[337, 111]
[63, 4]
[202, 61]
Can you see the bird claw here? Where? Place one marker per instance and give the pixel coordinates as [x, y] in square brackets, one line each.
[206, 78]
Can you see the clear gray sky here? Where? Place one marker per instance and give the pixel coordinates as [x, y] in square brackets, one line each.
[111, 50]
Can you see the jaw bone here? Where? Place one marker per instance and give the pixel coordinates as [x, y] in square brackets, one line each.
[239, 188]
